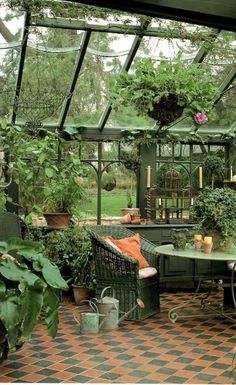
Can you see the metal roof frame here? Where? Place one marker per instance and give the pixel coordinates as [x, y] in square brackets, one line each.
[139, 31]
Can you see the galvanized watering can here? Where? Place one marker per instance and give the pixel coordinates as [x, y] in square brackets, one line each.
[89, 321]
[108, 308]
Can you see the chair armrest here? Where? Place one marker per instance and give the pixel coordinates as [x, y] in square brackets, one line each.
[148, 250]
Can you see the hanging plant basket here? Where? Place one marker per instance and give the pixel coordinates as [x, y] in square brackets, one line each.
[108, 182]
[167, 110]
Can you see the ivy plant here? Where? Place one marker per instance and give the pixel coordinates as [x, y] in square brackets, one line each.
[215, 210]
[164, 91]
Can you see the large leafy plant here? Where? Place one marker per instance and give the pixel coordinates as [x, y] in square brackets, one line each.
[163, 91]
[71, 250]
[215, 210]
[29, 285]
[46, 182]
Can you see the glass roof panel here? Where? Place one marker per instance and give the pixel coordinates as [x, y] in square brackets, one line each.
[106, 54]
[45, 81]
[9, 61]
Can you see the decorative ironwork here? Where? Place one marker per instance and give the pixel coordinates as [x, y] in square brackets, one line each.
[35, 107]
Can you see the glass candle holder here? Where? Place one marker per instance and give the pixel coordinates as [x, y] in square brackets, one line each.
[207, 245]
[198, 242]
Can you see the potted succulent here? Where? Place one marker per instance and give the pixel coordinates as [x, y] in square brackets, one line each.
[214, 211]
[30, 285]
[165, 90]
[71, 250]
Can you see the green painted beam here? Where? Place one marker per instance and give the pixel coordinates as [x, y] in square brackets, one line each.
[24, 40]
[130, 29]
[212, 13]
[133, 50]
[77, 68]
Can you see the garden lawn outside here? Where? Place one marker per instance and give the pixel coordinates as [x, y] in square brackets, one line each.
[112, 203]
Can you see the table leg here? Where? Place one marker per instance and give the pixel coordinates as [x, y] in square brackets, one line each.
[173, 314]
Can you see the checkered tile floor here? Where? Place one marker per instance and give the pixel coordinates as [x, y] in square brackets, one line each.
[196, 351]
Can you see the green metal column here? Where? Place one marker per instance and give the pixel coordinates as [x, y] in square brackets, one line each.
[148, 156]
[99, 184]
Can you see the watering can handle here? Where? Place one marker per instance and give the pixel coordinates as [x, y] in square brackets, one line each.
[92, 305]
[103, 291]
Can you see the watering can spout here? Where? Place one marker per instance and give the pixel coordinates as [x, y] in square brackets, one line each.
[109, 310]
[139, 303]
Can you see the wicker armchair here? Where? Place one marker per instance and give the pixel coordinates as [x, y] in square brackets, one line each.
[10, 225]
[122, 273]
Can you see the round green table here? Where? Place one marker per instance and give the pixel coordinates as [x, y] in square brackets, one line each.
[190, 253]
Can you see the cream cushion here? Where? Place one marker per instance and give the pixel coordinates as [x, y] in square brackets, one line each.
[147, 272]
[230, 265]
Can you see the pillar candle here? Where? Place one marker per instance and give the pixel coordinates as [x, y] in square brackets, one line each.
[159, 201]
[191, 203]
[231, 173]
[197, 237]
[148, 176]
[207, 240]
[200, 177]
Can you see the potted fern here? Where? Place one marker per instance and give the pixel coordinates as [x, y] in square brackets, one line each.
[165, 90]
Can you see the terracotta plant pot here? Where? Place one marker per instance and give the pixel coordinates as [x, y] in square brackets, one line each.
[57, 220]
[80, 293]
[130, 210]
[136, 219]
[125, 219]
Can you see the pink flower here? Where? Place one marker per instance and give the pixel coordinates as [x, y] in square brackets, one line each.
[200, 118]
[79, 180]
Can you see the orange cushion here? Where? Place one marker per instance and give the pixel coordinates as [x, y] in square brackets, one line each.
[131, 246]
[109, 239]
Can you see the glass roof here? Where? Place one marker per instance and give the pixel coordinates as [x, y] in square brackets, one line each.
[55, 66]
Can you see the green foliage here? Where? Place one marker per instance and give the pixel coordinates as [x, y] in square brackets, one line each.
[71, 250]
[29, 284]
[214, 166]
[192, 86]
[44, 181]
[3, 200]
[215, 210]
[108, 181]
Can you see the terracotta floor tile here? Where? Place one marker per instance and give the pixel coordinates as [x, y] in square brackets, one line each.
[33, 377]
[154, 350]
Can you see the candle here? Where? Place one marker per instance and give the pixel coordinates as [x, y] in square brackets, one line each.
[148, 176]
[200, 177]
[197, 237]
[191, 203]
[159, 201]
[231, 173]
[207, 240]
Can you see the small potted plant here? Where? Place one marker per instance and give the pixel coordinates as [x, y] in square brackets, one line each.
[71, 250]
[30, 285]
[214, 166]
[165, 90]
[214, 211]
[45, 182]
[62, 193]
